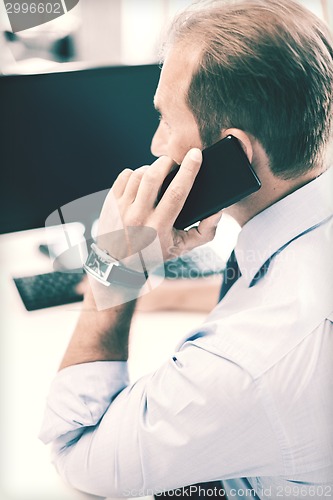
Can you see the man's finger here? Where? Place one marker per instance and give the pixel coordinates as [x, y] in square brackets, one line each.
[203, 233]
[175, 196]
[152, 181]
[133, 184]
[121, 182]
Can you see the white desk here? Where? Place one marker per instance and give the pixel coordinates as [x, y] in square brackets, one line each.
[32, 344]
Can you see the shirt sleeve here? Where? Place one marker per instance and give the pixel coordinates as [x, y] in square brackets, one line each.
[197, 418]
[79, 397]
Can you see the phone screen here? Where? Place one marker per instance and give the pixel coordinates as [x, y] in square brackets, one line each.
[225, 177]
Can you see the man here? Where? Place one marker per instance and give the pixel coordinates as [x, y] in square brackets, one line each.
[247, 398]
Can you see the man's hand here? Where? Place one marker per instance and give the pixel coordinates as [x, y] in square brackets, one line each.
[134, 194]
[131, 202]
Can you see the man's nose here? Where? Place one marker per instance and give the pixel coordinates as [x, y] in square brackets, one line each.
[159, 142]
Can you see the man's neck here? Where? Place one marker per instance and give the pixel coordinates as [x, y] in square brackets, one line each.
[273, 189]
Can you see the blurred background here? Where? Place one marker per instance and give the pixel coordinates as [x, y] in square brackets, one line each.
[100, 32]
[76, 92]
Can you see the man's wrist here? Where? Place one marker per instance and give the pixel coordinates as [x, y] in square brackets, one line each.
[95, 292]
[100, 335]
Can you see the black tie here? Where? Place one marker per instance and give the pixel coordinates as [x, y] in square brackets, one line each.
[198, 491]
[230, 275]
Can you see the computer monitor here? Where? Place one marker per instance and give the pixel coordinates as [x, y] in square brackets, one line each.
[67, 135]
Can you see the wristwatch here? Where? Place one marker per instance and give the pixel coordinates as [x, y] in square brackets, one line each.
[108, 270]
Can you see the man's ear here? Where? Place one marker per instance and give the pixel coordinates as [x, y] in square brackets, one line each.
[243, 138]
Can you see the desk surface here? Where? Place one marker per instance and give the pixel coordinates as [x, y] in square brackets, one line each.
[32, 345]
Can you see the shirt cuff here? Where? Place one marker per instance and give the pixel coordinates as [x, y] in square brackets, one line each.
[80, 395]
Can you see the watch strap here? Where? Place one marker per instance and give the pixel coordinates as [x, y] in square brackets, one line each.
[121, 275]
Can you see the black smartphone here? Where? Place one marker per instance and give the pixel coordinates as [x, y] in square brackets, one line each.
[225, 177]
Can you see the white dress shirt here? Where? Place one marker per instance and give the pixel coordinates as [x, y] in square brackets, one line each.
[246, 398]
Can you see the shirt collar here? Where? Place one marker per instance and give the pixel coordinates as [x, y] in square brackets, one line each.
[269, 231]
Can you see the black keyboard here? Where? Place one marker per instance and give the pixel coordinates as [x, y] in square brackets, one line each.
[49, 290]
[57, 288]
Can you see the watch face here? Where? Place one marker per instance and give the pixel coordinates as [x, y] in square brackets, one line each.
[97, 265]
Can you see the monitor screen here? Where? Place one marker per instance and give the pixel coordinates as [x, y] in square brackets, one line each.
[67, 135]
